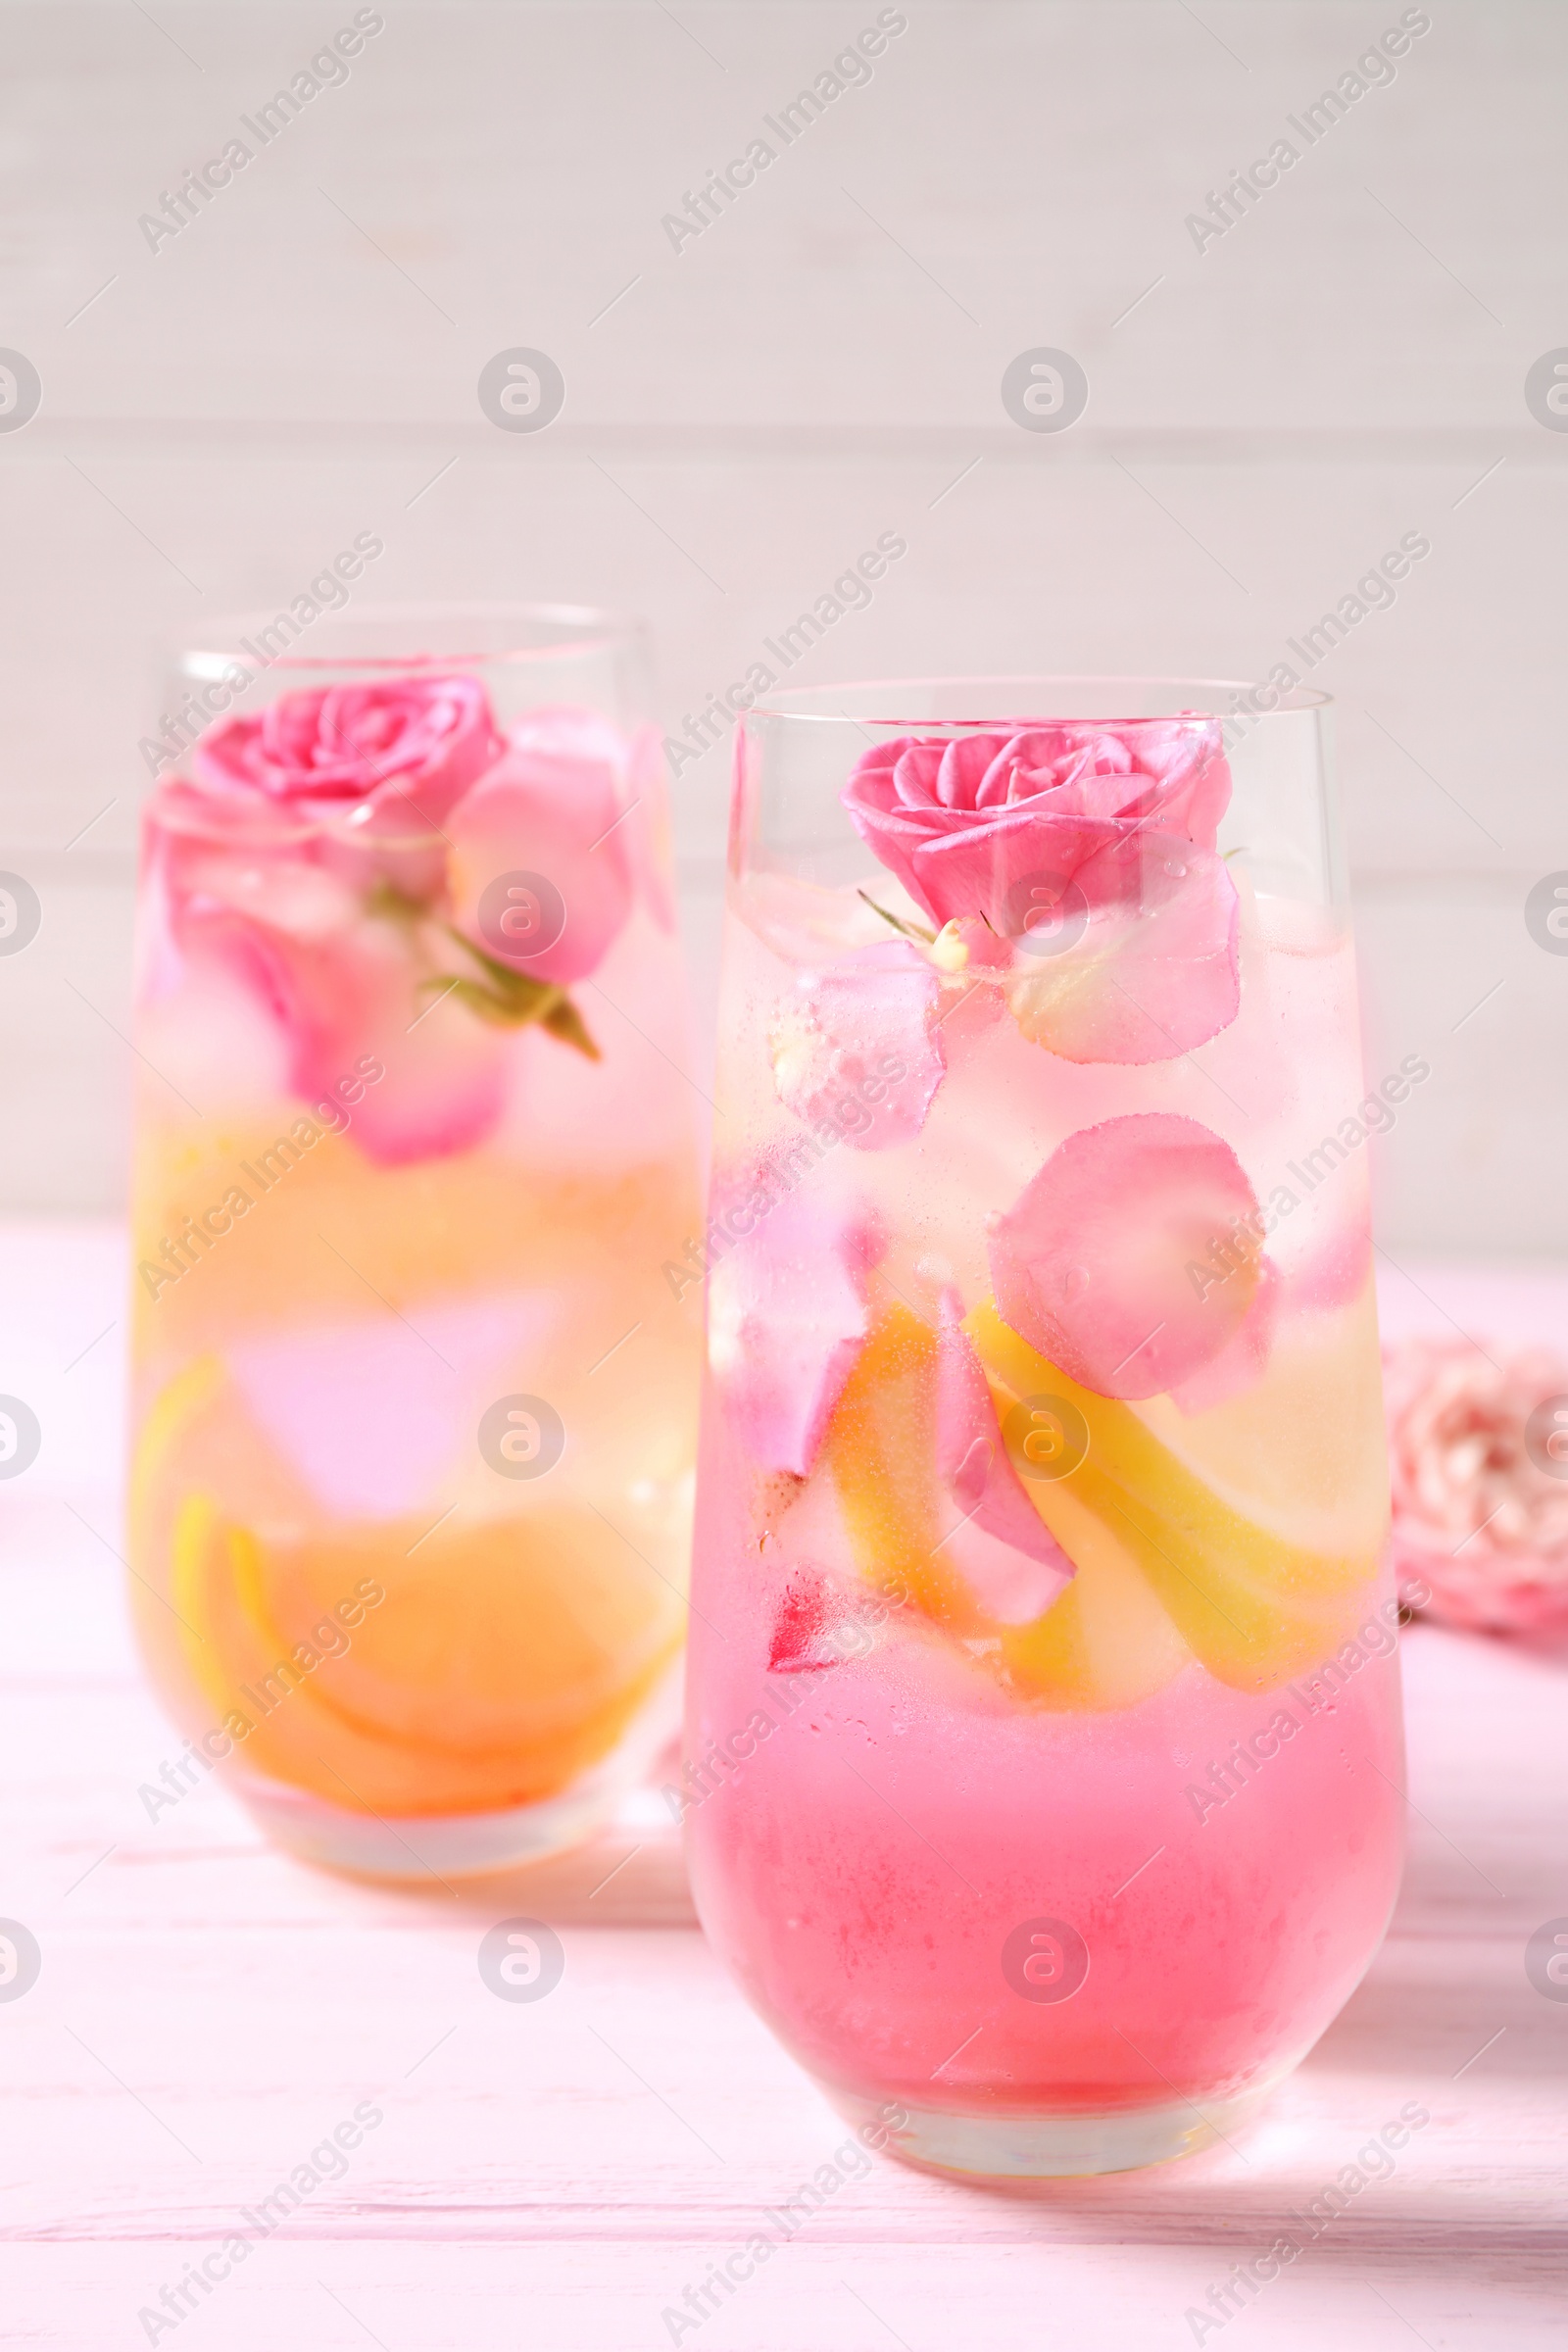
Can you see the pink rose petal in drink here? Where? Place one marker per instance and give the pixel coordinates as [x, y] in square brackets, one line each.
[987, 951]
[1110, 1261]
[341, 986]
[964, 868]
[372, 1413]
[1244, 1359]
[787, 1317]
[548, 807]
[569, 731]
[1335, 1271]
[1001, 1548]
[817, 1626]
[857, 1044]
[1154, 970]
[798, 1642]
[445, 1083]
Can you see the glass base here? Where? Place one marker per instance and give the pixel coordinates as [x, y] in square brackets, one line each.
[420, 1848]
[1021, 2147]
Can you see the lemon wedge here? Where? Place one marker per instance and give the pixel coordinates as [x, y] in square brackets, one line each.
[1254, 1607]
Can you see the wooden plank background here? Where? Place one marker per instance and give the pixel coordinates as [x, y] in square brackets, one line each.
[823, 364]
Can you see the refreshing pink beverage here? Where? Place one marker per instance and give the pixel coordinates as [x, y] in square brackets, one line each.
[414, 1410]
[1044, 1755]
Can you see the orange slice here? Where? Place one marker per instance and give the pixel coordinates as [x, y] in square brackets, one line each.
[1104, 1642]
[880, 1449]
[503, 1669]
[392, 1668]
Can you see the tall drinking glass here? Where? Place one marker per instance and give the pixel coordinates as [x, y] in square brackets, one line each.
[414, 1407]
[1044, 1744]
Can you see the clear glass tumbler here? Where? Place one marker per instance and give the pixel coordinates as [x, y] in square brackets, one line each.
[1044, 1748]
[415, 1404]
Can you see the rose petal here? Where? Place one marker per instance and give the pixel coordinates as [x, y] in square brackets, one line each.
[1154, 970]
[1244, 1359]
[987, 948]
[1109, 1261]
[1336, 1272]
[978, 793]
[445, 1088]
[787, 1317]
[1002, 1548]
[816, 1628]
[963, 767]
[404, 748]
[549, 813]
[855, 1045]
[985, 868]
[370, 1415]
[1190, 777]
[637, 762]
[916, 774]
[342, 987]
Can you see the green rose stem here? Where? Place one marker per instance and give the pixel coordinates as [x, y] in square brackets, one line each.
[510, 999]
[909, 930]
[507, 1000]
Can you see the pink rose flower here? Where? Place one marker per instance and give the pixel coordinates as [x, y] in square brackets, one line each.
[378, 760]
[1480, 1519]
[1107, 1261]
[331, 848]
[1093, 847]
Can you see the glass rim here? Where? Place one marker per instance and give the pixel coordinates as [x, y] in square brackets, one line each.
[879, 700]
[560, 631]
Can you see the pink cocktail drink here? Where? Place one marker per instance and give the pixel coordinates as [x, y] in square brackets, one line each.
[413, 1407]
[1044, 1748]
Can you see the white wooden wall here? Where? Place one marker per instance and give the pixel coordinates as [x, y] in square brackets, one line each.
[744, 414]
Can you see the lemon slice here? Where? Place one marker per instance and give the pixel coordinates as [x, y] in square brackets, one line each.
[1302, 1452]
[1254, 1605]
[1104, 1642]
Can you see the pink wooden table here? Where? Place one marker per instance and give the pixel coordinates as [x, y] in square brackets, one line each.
[557, 2175]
